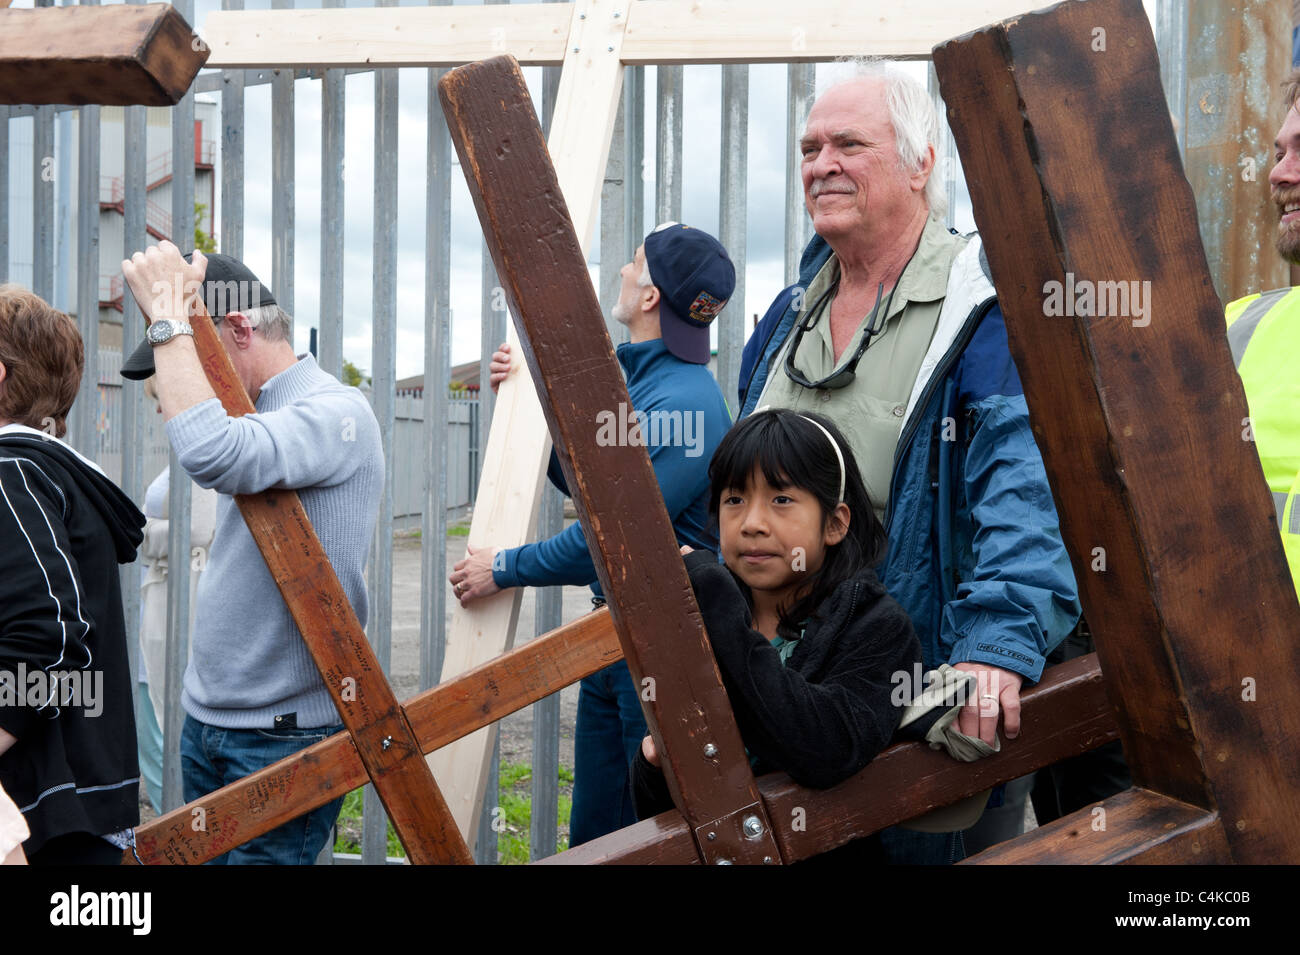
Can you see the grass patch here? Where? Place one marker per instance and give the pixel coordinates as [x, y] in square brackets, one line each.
[515, 796]
[348, 832]
[458, 530]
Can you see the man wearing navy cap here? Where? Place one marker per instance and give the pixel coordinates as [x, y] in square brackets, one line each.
[675, 285]
[252, 694]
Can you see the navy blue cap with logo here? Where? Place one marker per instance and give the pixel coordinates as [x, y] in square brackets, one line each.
[695, 277]
[228, 286]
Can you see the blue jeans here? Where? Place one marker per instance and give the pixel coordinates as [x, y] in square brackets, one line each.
[908, 847]
[610, 728]
[212, 757]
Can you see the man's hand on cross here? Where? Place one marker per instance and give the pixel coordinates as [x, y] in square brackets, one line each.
[997, 691]
[162, 282]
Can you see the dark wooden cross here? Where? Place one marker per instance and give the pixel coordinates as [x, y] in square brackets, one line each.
[1075, 176]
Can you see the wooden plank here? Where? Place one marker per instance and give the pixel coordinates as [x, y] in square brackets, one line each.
[1134, 827]
[518, 446]
[535, 34]
[117, 55]
[663, 840]
[297, 562]
[544, 275]
[658, 31]
[1139, 417]
[331, 768]
[776, 31]
[1066, 714]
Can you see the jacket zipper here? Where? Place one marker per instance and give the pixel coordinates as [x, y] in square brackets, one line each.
[958, 345]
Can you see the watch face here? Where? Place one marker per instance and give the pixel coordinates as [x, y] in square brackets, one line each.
[160, 332]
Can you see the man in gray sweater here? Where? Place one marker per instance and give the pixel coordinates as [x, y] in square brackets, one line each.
[252, 693]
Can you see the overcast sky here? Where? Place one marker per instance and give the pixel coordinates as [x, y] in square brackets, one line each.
[701, 136]
[702, 128]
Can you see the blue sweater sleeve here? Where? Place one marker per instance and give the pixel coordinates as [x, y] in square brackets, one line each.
[565, 558]
[305, 444]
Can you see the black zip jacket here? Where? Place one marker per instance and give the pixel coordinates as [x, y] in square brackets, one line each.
[826, 713]
[64, 528]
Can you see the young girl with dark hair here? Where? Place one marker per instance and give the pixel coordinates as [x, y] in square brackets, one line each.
[806, 639]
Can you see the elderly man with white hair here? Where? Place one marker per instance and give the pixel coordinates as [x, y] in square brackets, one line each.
[894, 332]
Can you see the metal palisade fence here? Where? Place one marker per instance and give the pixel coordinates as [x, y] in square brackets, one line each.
[431, 440]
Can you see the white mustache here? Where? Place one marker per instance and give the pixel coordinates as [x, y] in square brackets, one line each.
[822, 186]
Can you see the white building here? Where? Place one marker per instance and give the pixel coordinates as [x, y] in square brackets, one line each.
[62, 167]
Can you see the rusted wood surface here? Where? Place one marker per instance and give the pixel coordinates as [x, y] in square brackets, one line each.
[113, 55]
[1139, 417]
[544, 274]
[1066, 714]
[379, 730]
[1135, 826]
[331, 768]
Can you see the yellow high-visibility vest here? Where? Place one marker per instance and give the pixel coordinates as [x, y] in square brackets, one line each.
[1264, 335]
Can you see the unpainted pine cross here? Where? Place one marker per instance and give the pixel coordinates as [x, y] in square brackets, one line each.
[727, 821]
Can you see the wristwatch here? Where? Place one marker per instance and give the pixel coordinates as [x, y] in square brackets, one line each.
[164, 330]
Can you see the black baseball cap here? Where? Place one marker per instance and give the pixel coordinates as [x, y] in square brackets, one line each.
[695, 277]
[228, 286]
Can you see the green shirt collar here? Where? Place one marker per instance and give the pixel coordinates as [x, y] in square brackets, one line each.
[924, 280]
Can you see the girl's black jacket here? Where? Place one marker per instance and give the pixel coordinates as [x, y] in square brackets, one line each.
[64, 528]
[827, 712]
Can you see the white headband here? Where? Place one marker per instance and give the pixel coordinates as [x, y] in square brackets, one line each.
[834, 444]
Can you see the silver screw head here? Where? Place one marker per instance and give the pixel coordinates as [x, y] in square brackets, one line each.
[767, 860]
[710, 750]
[388, 741]
[725, 862]
[753, 827]
[712, 836]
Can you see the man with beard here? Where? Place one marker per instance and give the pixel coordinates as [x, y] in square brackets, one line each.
[1264, 335]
